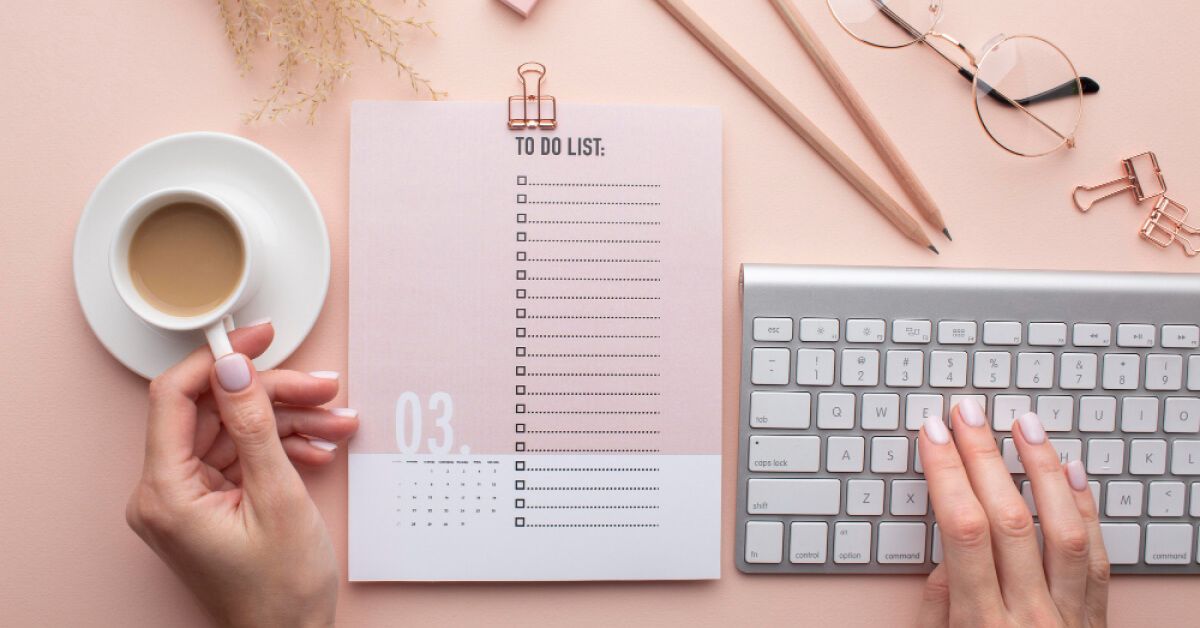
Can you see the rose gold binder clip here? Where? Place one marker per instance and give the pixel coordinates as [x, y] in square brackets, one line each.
[1142, 175]
[1166, 224]
[532, 110]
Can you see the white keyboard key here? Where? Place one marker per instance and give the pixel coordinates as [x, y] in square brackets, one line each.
[814, 367]
[1097, 414]
[1166, 499]
[769, 367]
[918, 407]
[764, 541]
[1124, 499]
[956, 332]
[1078, 371]
[794, 497]
[1122, 542]
[1006, 409]
[773, 329]
[1002, 333]
[911, 331]
[1092, 335]
[1195, 500]
[864, 497]
[1180, 336]
[1057, 412]
[889, 454]
[1185, 457]
[860, 367]
[880, 411]
[852, 542]
[901, 542]
[1012, 459]
[1139, 414]
[905, 369]
[947, 369]
[1068, 449]
[1035, 370]
[1130, 335]
[779, 454]
[808, 542]
[1164, 372]
[1194, 372]
[865, 330]
[993, 369]
[1168, 544]
[819, 330]
[1106, 456]
[1095, 488]
[1027, 493]
[780, 410]
[844, 454]
[1182, 415]
[935, 553]
[1047, 334]
[1147, 457]
[835, 411]
[910, 497]
[1121, 371]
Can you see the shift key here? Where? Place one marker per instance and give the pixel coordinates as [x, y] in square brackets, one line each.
[794, 497]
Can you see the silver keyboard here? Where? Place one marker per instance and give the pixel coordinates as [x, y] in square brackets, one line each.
[841, 365]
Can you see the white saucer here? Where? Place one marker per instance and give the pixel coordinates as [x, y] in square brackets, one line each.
[295, 264]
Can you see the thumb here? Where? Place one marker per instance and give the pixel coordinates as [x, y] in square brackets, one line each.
[249, 417]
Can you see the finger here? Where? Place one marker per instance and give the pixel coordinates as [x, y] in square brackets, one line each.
[313, 452]
[1014, 539]
[1095, 601]
[249, 418]
[334, 425]
[300, 389]
[966, 541]
[171, 429]
[1067, 544]
[935, 600]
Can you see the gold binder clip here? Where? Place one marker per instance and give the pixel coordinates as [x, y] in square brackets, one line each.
[1137, 178]
[1166, 224]
[532, 110]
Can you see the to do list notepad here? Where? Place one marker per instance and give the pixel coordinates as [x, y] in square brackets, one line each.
[535, 344]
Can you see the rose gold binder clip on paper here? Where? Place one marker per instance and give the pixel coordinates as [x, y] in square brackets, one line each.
[532, 110]
[1166, 224]
[1142, 175]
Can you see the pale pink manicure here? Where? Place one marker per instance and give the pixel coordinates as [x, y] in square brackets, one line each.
[972, 413]
[1031, 428]
[1076, 476]
[233, 373]
[346, 412]
[322, 444]
[324, 374]
[261, 321]
[936, 430]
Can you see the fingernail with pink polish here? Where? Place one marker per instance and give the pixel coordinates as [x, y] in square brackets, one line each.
[346, 412]
[322, 444]
[324, 374]
[233, 372]
[261, 321]
[972, 413]
[936, 430]
[1076, 476]
[1031, 428]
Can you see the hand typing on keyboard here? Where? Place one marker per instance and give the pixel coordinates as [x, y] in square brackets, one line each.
[995, 570]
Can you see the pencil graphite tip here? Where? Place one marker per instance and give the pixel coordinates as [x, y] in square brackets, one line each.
[946, 232]
[934, 249]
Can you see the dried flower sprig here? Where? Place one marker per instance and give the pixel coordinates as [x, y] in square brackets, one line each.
[312, 36]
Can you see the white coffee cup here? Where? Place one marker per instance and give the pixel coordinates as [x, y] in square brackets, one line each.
[216, 322]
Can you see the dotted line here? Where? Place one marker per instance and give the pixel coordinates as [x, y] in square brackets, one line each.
[597, 185]
[593, 355]
[593, 394]
[653, 223]
[592, 279]
[591, 525]
[573, 298]
[594, 451]
[591, 488]
[592, 507]
[629, 203]
[600, 260]
[559, 316]
[592, 432]
[589, 336]
[591, 375]
[642, 412]
[576, 241]
[590, 469]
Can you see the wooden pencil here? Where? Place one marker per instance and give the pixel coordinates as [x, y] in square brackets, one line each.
[803, 127]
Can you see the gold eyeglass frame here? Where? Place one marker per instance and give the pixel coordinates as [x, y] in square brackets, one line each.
[1067, 140]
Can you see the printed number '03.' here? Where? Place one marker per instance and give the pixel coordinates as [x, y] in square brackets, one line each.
[410, 423]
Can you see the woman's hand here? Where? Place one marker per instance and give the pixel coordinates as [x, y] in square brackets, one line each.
[993, 573]
[220, 501]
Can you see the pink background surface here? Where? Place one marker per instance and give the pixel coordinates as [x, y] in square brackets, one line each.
[86, 83]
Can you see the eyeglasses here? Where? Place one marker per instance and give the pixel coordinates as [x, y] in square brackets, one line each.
[1027, 94]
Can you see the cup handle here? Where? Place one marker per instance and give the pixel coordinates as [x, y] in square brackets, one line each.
[218, 337]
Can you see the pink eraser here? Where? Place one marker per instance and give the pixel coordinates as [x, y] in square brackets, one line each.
[521, 6]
